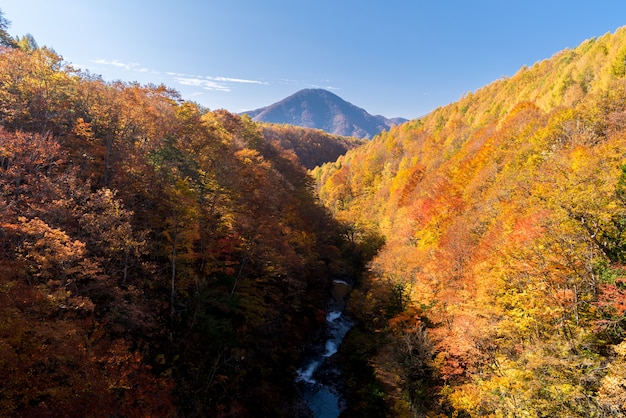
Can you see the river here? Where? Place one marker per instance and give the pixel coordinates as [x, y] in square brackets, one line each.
[319, 380]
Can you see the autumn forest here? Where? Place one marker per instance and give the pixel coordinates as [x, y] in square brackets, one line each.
[158, 258]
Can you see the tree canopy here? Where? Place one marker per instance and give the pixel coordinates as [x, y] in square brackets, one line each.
[500, 288]
[152, 252]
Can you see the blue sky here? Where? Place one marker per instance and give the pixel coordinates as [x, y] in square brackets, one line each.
[395, 58]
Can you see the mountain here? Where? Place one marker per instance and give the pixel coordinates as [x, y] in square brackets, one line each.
[501, 287]
[159, 259]
[321, 109]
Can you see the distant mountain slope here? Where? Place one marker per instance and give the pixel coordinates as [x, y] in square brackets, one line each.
[313, 147]
[321, 109]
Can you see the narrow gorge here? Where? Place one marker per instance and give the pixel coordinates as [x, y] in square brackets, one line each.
[319, 380]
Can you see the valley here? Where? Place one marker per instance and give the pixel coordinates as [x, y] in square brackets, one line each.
[159, 258]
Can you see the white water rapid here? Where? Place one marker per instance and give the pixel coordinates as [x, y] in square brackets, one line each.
[317, 381]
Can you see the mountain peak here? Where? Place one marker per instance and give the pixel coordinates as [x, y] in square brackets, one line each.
[322, 109]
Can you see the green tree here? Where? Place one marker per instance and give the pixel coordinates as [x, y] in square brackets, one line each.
[27, 43]
[5, 38]
[618, 67]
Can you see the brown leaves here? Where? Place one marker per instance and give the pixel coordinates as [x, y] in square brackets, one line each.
[50, 251]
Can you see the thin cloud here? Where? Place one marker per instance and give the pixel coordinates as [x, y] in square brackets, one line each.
[133, 66]
[238, 80]
[220, 79]
[210, 83]
[308, 84]
[202, 83]
[289, 82]
[325, 87]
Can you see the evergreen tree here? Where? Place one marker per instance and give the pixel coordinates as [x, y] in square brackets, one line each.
[5, 38]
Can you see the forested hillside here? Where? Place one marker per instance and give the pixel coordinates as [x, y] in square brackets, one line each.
[501, 287]
[313, 147]
[156, 258]
[162, 259]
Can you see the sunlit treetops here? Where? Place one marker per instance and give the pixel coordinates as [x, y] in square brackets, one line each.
[501, 283]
